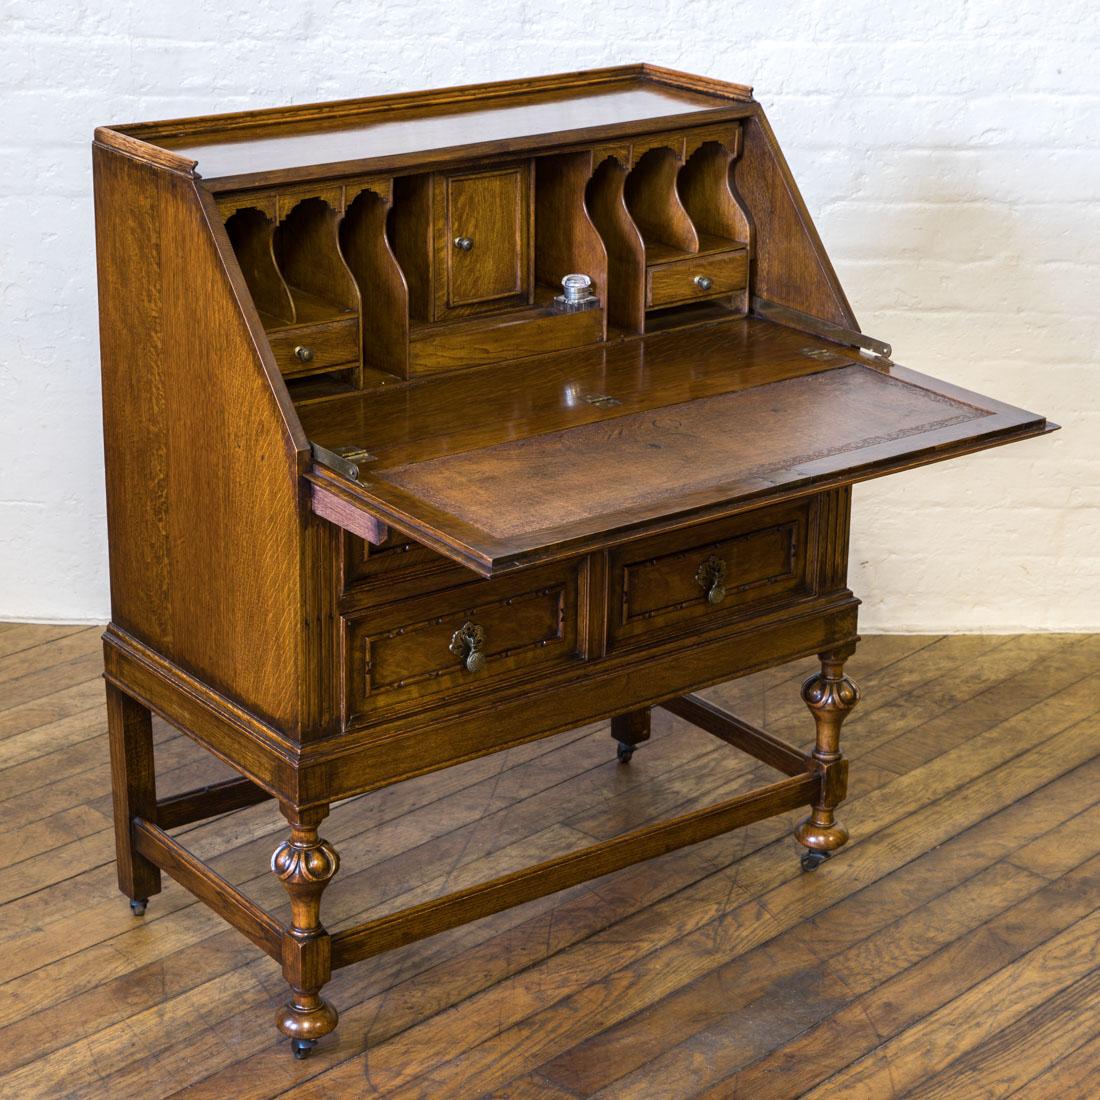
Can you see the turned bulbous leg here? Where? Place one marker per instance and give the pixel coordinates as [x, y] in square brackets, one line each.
[830, 695]
[305, 864]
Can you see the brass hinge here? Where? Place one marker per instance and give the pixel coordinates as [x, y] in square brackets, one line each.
[344, 460]
[601, 400]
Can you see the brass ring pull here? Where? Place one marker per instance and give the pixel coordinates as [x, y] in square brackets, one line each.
[464, 244]
[711, 578]
[468, 643]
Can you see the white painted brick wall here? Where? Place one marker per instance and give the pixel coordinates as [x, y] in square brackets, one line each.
[948, 151]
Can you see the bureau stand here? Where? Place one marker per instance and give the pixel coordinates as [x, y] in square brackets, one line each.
[441, 422]
[305, 862]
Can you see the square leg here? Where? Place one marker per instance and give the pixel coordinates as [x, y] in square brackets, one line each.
[630, 730]
[133, 783]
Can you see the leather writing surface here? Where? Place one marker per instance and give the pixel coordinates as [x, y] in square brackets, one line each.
[769, 433]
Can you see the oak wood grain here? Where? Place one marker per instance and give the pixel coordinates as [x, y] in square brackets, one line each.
[170, 517]
[654, 203]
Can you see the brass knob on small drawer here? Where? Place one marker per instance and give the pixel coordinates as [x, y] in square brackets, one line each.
[703, 282]
[711, 578]
[464, 244]
[468, 643]
[303, 354]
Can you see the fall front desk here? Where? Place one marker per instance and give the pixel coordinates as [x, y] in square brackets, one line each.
[441, 422]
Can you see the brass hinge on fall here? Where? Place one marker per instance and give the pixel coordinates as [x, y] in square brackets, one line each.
[344, 460]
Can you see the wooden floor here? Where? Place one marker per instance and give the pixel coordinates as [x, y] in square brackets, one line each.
[950, 950]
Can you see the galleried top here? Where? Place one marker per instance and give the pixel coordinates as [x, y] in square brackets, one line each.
[381, 133]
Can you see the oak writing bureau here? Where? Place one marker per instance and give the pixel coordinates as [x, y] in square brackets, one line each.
[441, 422]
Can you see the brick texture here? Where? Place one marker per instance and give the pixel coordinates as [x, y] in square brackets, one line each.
[949, 153]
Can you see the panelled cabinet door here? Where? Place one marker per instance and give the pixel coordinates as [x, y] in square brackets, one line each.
[484, 229]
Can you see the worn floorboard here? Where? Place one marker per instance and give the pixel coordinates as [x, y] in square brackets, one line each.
[949, 951]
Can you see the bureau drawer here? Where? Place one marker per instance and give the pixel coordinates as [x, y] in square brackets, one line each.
[464, 640]
[307, 348]
[696, 278]
[398, 569]
[703, 577]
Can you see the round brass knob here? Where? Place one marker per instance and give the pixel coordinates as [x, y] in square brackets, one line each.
[703, 282]
[464, 244]
[303, 354]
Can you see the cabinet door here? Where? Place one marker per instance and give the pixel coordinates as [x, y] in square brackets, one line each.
[484, 238]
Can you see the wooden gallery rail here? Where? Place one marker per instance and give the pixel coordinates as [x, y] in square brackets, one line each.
[439, 423]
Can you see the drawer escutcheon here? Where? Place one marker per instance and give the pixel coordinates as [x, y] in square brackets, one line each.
[711, 578]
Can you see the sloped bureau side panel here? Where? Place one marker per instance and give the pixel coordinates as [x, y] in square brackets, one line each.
[205, 525]
[791, 267]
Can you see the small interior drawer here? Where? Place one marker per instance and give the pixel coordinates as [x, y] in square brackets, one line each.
[696, 278]
[416, 651]
[303, 349]
[703, 577]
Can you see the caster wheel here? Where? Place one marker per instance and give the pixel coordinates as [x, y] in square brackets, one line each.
[624, 752]
[137, 906]
[302, 1047]
[811, 859]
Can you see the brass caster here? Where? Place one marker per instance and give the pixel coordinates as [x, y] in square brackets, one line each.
[137, 906]
[302, 1047]
[624, 752]
[811, 859]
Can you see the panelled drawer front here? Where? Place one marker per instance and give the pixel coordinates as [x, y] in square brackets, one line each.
[397, 569]
[702, 578]
[308, 348]
[696, 278]
[402, 655]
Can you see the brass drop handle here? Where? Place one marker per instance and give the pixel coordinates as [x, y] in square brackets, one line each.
[468, 643]
[303, 354]
[711, 578]
[703, 282]
[464, 244]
